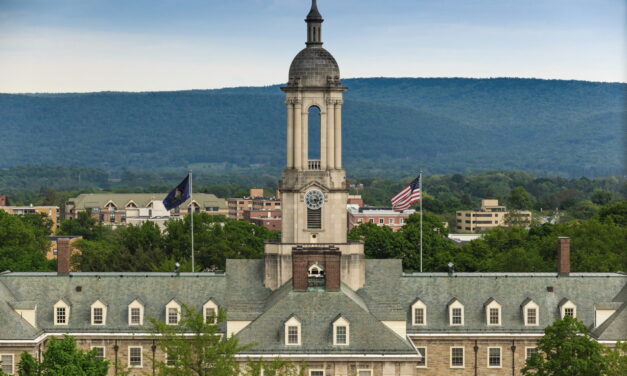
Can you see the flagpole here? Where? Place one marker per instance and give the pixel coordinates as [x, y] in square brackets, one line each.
[421, 196]
[191, 202]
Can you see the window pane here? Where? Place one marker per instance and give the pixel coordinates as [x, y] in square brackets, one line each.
[530, 352]
[457, 356]
[135, 356]
[173, 317]
[7, 364]
[423, 353]
[135, 316]
[292, 335]
[457, 316]
[494, 316]
[316, 373]
[97, 315]
[569, 312]
[210, 315]
[494, 355]
[340, 335]
[531, 316]
[419, 316]
[99, 352]
[61, 315]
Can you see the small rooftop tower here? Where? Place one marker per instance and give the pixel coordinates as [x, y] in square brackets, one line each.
[314, 26]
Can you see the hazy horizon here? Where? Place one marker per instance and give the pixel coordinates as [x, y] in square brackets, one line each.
[72, 46]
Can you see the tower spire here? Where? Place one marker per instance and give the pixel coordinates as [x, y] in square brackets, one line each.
[314, 26]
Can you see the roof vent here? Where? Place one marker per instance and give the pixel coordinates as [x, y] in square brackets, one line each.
[79, 288]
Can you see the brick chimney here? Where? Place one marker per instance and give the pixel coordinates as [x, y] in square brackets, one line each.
[563, 256]
[63, 255]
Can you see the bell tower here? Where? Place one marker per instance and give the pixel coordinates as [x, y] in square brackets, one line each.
[313, 188]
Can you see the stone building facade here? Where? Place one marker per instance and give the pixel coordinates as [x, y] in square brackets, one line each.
[314, 298]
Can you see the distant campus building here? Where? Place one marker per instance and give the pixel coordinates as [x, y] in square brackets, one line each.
[116, 209]
[314, 299]
[490, 215]
[257, 209]
[51, 212]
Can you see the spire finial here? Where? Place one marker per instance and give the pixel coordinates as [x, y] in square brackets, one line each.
[314, 26]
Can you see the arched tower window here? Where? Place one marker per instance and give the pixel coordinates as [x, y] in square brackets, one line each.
[313, 124]
[315, 278]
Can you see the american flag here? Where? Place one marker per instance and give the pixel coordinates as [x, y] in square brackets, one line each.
[410, 194]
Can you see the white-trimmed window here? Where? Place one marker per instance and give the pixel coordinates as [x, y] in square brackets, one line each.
[61, 313]
[98, 313]
[210, 312]
[135, 357]
[494, 357]
[381, 221]
[529, 351]
[364, 369]
[136, 313]
[341, 332]
[292, 332]
[568, 308]
[456, 313]
[457, 357]
[7, 363]
[419, 313]
[422, 363]
[316, 372]
[172, 313]
[100, 351]
[493, 313]
[391, 221]
[531, 313]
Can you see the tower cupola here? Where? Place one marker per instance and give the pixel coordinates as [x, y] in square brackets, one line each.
[314, 26]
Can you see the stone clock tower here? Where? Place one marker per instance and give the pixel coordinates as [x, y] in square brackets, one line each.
[314, 190]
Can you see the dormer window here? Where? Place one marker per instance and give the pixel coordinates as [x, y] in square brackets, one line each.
[493, 312]
[567, 308]
[98, 313]
[210, 312]
[136, 313]
[456, 313]
[172, 313]
[61, 313]
[292, 332]
[341, 332]
[531, 313]
[418, 313]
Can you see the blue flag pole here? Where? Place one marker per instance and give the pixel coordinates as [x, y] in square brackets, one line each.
[191, 202]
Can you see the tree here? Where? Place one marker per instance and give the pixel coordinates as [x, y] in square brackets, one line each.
[62, 358]
[83, 225]
[567, 350]
[277, 367]
[202, 351]
[520, 199]
[23, 243]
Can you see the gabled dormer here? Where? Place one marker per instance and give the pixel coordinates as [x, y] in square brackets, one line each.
[567, 308]
[341, 331]
[455, 312]
[292, 329]
[61, 313]
[530, 312]
[27, 310]
[136, 313]
[131, 205]
[172, 312]
[98, 312]
[418, 313]
[492, 312]
[210, 311]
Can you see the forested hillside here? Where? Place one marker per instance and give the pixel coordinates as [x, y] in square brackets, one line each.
[391, 126]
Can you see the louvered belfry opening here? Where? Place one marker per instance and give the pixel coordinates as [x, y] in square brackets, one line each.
[314, 218]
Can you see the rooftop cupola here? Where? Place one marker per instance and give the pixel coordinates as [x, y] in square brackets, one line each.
[314, 26]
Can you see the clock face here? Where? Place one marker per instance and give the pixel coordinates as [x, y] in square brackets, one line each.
[314, 199]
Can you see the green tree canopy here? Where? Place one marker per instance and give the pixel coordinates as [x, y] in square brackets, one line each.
[23, 242]
[62, 358]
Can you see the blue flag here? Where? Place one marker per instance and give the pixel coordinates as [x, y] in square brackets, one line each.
[178, 195]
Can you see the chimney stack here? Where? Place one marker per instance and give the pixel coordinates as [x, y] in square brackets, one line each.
[63, 255]
[563, 256]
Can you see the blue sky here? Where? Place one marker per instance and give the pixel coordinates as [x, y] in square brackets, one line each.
[140, 45]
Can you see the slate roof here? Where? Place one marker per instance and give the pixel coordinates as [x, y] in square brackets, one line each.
[386, 296]
[510, 290]
[317, 311]
[99, 200]
[118, 290]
